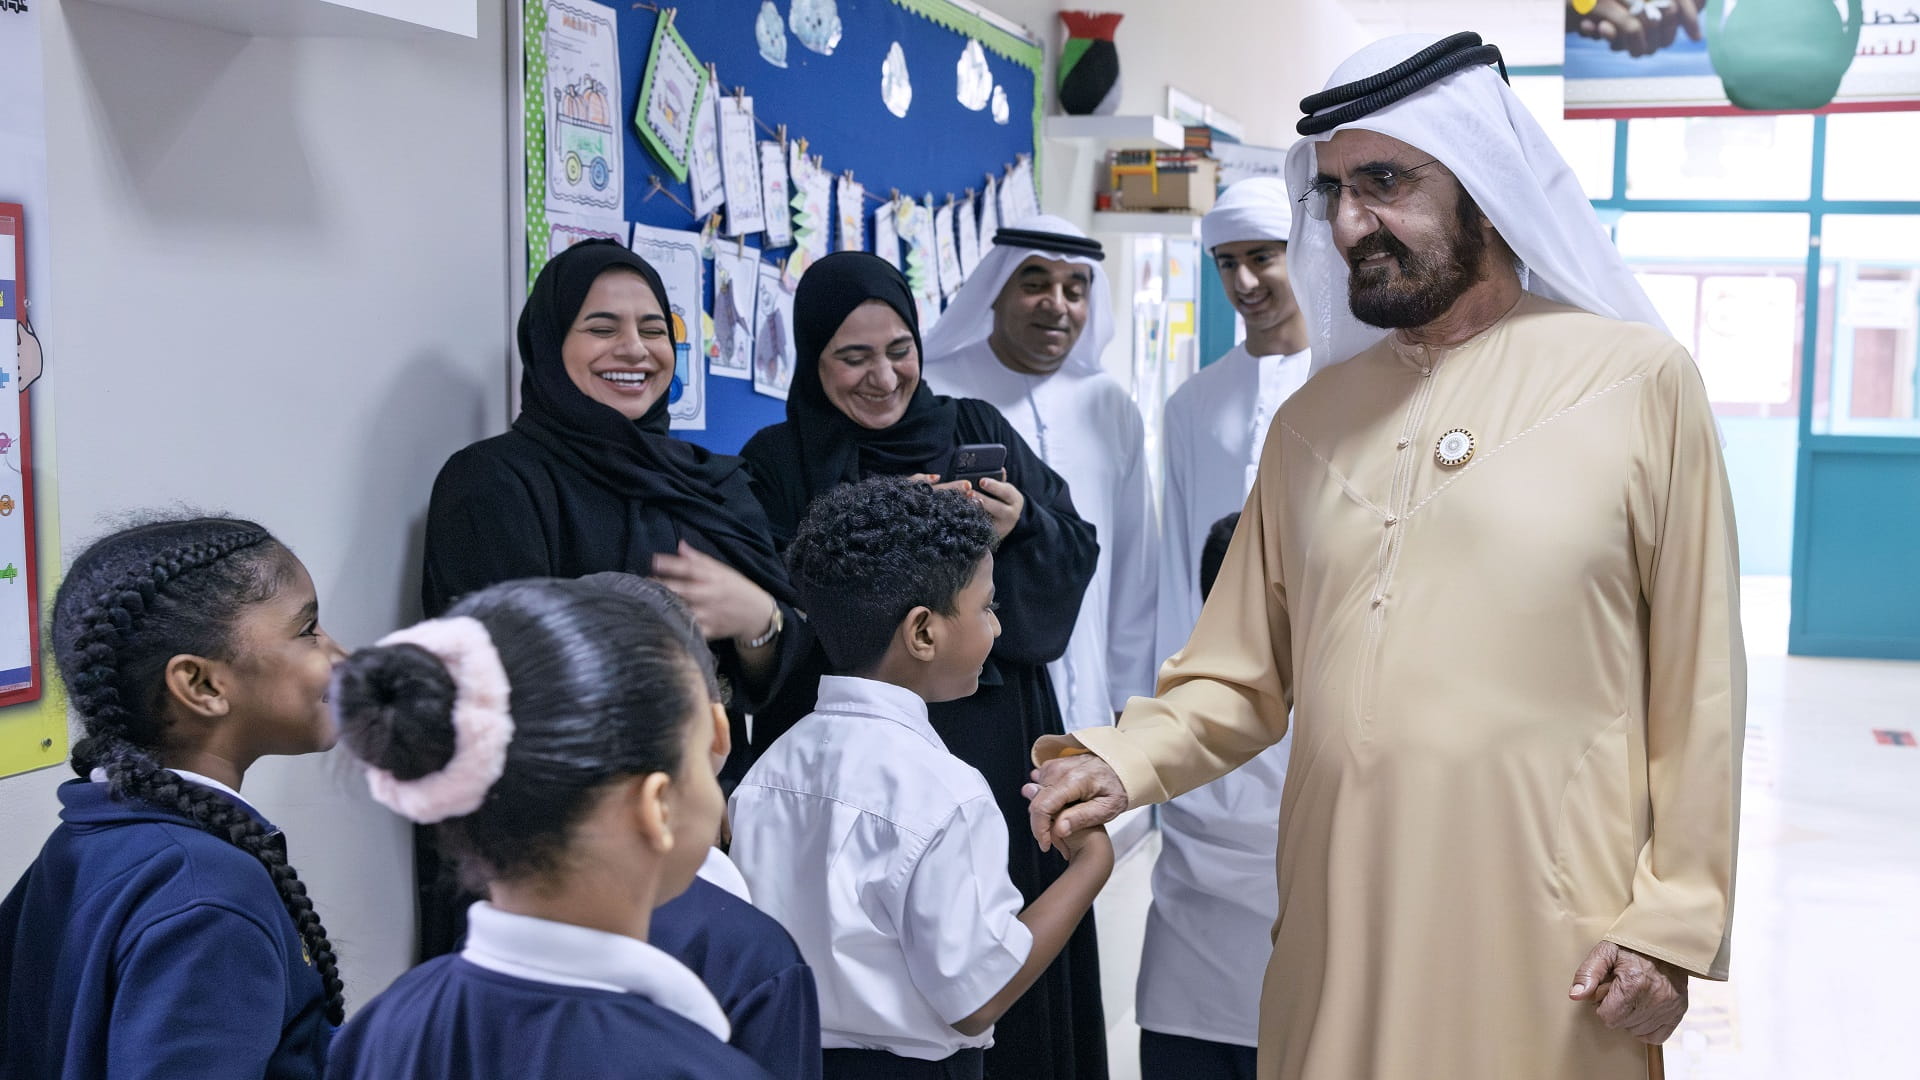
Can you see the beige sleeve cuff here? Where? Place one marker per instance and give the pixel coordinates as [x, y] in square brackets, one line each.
[1111, 745]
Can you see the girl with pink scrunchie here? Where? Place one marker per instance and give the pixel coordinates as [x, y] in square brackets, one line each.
[558, 736]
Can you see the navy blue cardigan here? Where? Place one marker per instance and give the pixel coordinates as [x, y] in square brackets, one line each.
[139, 946]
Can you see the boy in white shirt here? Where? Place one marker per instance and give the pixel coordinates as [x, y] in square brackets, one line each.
[882, 853]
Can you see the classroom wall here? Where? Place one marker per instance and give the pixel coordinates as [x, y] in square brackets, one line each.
[1255, 59]
[282, 273]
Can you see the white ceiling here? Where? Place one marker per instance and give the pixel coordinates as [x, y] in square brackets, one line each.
[1529, 32]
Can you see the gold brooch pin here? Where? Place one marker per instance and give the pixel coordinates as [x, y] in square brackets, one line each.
[1455, 448]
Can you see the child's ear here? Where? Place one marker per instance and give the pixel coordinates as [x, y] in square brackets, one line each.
[722, 744]
[918, 632]
[197, 685]
[651, 813]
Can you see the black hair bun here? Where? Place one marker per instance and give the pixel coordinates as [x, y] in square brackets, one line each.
[395, 704]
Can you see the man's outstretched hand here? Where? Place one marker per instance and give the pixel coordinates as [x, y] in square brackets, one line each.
[1637, 993]
[1070, 793]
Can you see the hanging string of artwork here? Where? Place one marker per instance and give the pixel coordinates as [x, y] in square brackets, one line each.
[737, 204]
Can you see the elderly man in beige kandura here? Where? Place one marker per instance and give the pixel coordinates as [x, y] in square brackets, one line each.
[1489, 561]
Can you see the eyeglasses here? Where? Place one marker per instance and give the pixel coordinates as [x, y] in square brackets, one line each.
[1376, 186]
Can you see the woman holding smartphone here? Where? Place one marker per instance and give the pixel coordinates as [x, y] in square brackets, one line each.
[858, 408]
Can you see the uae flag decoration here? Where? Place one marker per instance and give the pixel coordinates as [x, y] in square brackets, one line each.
[1089, 66]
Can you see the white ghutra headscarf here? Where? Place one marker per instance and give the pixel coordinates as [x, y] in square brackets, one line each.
[1257, 208]
[1475, 125]
[969, 318]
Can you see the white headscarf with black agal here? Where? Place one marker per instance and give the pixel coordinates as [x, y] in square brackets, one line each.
[969, 318]
[1473, 123]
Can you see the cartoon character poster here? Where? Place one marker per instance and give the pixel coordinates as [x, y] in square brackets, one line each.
[736, 287]
[33, 711]
[675, 91]
[583, 107]
[676, 256]
[740, 166]
[773, 337]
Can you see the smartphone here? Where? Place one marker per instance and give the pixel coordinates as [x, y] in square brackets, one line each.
[977, 461]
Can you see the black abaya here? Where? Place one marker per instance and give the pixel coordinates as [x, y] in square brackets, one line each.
[1057, 1030]
[575, 489]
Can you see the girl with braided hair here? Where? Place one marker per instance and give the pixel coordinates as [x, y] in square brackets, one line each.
[559, 737]
[162, 932]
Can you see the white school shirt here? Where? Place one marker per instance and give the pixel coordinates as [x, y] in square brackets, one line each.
[886, 858]
[1214, 896]
[562, 954]
[719, 870]
[1086, 428]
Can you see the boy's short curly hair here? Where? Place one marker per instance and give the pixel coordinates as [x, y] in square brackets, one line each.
[869, 553]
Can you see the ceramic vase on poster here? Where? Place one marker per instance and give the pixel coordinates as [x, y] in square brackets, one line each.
[1774, 55]
[1089, 64]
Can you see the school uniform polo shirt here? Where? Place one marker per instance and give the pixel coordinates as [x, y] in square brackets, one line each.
[531, 999]
[886, 858]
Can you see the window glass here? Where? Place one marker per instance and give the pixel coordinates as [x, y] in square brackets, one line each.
[1873, 156]
[1868, 378]
[1720, 157]
[1729, 287]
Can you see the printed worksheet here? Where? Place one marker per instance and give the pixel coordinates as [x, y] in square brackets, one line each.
[583, 110]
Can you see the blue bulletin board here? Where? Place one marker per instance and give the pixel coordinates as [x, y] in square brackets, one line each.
[940, 148]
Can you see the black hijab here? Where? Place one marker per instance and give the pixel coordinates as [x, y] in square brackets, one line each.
[679, 483]
[834, 448]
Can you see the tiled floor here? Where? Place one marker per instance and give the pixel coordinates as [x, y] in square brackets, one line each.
[1826, 949]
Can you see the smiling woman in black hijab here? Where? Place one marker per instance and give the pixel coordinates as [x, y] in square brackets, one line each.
[858, 408]
[589, 480]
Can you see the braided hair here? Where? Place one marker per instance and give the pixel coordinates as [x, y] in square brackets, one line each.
[129, 605]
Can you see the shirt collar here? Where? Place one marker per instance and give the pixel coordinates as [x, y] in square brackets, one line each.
[720, 870]
[99, 776]
[868, 697]
[561, 954]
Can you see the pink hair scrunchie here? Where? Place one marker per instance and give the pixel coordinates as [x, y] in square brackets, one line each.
[482, 724]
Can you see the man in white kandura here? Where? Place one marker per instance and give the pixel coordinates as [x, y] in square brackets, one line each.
[1213, 896]
[1489, 562]
[1025, 333]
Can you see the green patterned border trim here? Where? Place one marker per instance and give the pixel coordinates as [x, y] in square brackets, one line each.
[534, 96]
[997, 41]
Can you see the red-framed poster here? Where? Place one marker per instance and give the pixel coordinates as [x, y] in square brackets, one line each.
[20, 663]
